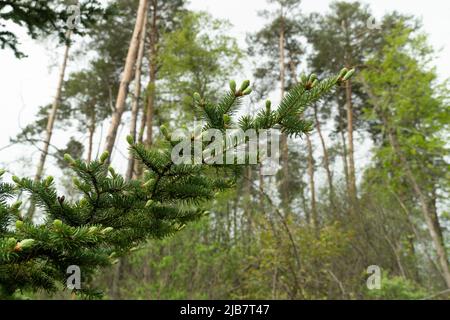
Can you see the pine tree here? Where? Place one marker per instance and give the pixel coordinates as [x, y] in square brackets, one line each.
[343, 35]
[127, 76]
[112, 215]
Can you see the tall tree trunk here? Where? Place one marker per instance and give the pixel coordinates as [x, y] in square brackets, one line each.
[51, 121]
[151, 88]
[284, 141]
[92, 126]
[344, 151]
[142, 125]
[248, 207]
[261, 189]
[305, 206]
[325, 157]
[349, 109]
[314, 216]
[137, 93]
[130, 62]
[411, 239]
[138, 168]
[126, 77]
[434, 215]
[351, 160]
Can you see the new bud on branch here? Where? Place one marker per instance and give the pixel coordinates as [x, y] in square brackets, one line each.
[233, 86]
[197, 97]
[130, 140]
[24, 244]
[57, 223]
[245, 85]
[104, 156]
[69, 158]
[19, 224]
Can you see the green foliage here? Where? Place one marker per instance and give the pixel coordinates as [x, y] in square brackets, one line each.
[287, 116]
[264, 45]
[112, 215]
[192, 265]
[196, 56]
[397, 288]
[217, 231]
[408, 98]
[42, 18]
[274, 255]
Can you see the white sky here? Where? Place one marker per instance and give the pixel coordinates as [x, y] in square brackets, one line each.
[28, 83]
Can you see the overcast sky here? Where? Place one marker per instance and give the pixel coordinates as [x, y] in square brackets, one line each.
[28, 83]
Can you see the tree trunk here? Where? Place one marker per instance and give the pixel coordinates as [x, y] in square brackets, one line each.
[151, 88]
[126, 77]
[261, 190]
[325, 157]
[284, 141]
[344, 151]
[349, 108]
[137, 93]
[314, 216]
[130, 62]
[92, 126]
[351, 160]
[138, 168]
[51, 121]
[248, 207]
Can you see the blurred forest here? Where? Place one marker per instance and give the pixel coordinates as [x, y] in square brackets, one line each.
[312, 230]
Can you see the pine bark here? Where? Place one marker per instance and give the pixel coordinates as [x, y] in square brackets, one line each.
[130, 62]
[127, 76]
[151, 88]
[92, 127]
[137, 93]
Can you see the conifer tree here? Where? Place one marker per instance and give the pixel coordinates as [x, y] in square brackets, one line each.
[112, 216]
[343, 35]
